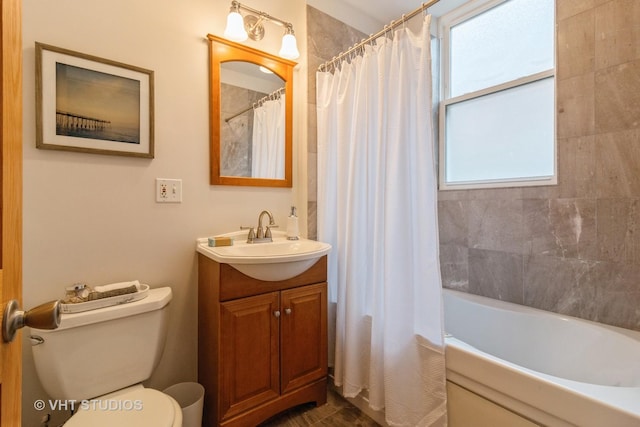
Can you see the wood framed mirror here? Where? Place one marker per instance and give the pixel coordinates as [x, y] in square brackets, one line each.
[251, 116]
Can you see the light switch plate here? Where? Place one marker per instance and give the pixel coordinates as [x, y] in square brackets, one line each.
[168, 190]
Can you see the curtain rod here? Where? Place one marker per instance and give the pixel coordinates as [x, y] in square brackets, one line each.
[272, 96]
[387, 28]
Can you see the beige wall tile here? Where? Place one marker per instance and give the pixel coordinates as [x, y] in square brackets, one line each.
[617, 97]
[576, 167]
[575, 103]
[568, 8]
[496, 274]
[618, 294]
[453, 222]
[617, 29]
[496, 225]
[312, 179]
[618, 164]
[454, 266]
[560, 285]
[563, 228]
[576, 45]
[618, 308]
[312, 220]
[312, 128]
[619, 230]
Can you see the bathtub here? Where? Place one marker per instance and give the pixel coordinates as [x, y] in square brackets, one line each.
[544, 368]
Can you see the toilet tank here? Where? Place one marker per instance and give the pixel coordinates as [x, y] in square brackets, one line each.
[99, 351]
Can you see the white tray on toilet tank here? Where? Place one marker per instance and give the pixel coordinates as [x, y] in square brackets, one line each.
[143, 290]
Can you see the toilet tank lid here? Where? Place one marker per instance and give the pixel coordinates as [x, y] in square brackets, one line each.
[156, 299]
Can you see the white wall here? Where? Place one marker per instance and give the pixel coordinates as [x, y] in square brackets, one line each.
[93, 218]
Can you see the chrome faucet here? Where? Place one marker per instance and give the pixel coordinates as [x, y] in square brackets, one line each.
[261, 235]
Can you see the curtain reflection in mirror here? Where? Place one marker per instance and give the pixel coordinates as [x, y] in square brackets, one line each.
[268, 139]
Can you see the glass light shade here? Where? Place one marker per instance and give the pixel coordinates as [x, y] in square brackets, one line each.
[235, 28]
[289, 49]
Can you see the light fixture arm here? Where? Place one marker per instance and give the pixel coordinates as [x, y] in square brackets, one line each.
[239, 28]
[235, 5]
[288, 29]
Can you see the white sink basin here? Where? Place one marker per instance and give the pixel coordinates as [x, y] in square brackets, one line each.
[278, 260]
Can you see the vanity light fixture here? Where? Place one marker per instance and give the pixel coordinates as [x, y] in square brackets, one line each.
[239, 28]
[235, 27]
[289, 48]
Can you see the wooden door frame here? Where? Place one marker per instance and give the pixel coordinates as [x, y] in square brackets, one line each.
[11, 206]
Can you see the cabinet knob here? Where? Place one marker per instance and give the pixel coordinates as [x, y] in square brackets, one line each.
[287, 310]
[276, 313]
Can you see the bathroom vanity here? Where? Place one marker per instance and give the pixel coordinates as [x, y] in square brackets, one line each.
[262, 345]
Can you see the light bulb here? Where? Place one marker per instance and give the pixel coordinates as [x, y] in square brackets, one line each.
[235, 27]
[289, 49]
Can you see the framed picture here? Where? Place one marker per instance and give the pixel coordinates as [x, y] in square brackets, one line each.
[92, 105]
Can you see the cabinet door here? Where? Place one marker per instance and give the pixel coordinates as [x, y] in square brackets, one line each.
[303, 343]
[249, 363]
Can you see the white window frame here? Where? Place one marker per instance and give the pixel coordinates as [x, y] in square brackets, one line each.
[445, 23]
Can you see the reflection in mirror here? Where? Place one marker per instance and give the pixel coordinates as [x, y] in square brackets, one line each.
[252, 100]
[251, 116]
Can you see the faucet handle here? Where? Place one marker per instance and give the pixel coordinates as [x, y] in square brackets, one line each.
[252, 234]
[267, 233]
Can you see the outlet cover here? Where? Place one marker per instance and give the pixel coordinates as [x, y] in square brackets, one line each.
[168, 190]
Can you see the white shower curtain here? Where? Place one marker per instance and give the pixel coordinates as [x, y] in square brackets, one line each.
[377, 207]
[267, 156]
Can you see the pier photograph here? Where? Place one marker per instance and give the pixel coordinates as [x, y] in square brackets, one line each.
[93, 105]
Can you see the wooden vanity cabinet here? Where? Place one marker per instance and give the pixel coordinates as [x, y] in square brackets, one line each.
[262, 346]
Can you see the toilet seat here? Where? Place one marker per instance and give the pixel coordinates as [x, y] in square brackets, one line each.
[131, 407]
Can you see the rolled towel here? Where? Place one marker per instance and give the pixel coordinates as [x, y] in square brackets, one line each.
[114, 289]
[114, 286]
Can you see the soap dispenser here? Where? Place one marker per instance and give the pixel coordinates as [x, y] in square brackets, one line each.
[292, 225]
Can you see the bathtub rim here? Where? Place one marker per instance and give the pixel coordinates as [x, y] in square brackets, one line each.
[510, 306]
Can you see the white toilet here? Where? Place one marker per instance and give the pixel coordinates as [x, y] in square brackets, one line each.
[99, 358]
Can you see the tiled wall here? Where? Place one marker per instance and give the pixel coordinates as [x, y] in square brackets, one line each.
[237, 133]
[573, 248]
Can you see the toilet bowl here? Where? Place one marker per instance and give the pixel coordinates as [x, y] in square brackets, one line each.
[99, 359]
[132, 407]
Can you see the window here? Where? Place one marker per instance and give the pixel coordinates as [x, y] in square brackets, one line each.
[497, 115]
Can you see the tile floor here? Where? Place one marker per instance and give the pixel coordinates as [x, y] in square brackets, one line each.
[336, 412]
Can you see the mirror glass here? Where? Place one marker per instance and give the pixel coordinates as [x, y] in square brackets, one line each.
[251, 98]
[252, 121]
